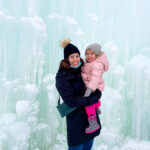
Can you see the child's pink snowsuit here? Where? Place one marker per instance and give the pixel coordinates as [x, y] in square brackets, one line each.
[92, 77]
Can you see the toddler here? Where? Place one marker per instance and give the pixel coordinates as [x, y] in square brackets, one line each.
[92, 74]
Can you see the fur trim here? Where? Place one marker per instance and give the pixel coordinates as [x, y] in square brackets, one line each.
[101, 53]
[65, 42]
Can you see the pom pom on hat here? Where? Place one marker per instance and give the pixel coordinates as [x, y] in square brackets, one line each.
[68, 48]
[65, 42]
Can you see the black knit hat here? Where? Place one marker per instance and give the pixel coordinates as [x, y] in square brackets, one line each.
[68, 48]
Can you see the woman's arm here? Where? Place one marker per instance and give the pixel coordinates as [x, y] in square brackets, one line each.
[71, 99]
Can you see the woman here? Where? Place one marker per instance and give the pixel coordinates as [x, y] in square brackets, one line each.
[71, 88]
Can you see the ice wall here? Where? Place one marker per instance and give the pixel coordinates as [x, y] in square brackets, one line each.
[30, 32]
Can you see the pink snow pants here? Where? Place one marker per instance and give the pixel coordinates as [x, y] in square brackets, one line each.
[90, 110]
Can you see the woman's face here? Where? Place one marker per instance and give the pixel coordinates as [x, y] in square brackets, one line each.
[90, 55]
[74, 59]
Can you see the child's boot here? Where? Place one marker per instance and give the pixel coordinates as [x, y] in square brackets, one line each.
[93, 125]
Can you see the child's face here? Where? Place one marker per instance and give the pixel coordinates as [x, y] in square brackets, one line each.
[90, 55]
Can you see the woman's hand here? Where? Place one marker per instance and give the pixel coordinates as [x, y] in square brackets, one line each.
[94, 97]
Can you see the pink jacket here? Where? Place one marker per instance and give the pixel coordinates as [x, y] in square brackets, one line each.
[92, 73]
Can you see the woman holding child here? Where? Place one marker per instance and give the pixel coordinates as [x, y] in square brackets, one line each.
[71, 88]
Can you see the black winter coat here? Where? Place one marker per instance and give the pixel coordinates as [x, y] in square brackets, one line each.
[71, 88]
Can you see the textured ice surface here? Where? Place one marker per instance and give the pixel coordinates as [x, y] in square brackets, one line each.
[30, 34]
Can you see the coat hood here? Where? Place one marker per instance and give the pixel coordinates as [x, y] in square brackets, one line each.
[103, 59]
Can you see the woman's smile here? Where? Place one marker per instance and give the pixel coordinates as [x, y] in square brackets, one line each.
[74, 59]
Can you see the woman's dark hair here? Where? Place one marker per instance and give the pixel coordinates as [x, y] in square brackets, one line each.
[65, 63]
